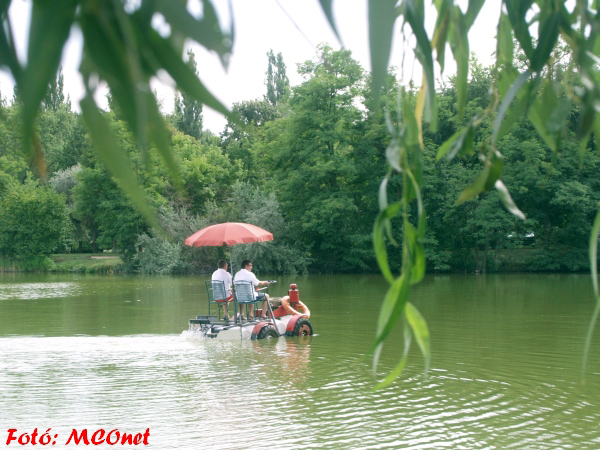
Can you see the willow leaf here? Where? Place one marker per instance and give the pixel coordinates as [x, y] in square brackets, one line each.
[162, 139]
[453, 145]
[440, 34]
[519, 108]
[486, 180]
[376, 356]
[382, 194]
[476, 188]
[419, 262]
[48, 32]
[421, 332]
[460, 49]
[379, 227]
[381, 28]
[391, 128]
[206, 31]
[410, 126]
[327, 7]
[593, 252]
[424, 54]
[391, 309]
[467, 146]
[517, 11]
[559, 114]
[394, 374]
[586, 124]
[392, 153]
[535, 115]
[8, 55]
[504, 42]
[472, 12]
[380, 248]
[185, 78]
[549, 29]
[549, 113]
[417, 254]
[383, 204]
[420, 209]
[507, 200]
[128, 32]
[114, 157]
[105, 50]
[588, 339]
[506, 78]
[506, 102]
[420, 106]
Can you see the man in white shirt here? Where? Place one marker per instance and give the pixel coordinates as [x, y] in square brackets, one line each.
[245, 274]
[221, 274]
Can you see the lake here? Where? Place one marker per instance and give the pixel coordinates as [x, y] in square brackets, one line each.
[110, 353]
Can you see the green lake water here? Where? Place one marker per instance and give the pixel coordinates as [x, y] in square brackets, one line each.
[86, 352]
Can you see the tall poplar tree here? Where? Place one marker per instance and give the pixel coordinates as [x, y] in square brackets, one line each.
[188, 110]
[56, 95]
[277, 81]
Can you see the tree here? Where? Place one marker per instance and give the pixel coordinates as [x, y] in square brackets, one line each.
[63, 137]
[313, 161]
[33, 221]
[188, 110]
[277, 81]
[253, 205]
[55, 97]
[12, 160]
[207, 173]
[107, 213]
[239, 135]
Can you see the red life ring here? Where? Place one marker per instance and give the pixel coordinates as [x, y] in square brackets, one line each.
[285, 302]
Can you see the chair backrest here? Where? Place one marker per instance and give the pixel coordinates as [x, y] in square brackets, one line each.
[218, 290]
[209, 291]
[244, 291]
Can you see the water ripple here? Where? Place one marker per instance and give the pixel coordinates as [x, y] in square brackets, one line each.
[489, 388]
[30, 291]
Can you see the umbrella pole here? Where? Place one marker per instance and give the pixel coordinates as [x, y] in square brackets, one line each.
[240, 309]
[231, 269]
[235, 303]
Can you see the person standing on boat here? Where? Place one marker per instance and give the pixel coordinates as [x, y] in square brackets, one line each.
[245, 274]
[221, 274]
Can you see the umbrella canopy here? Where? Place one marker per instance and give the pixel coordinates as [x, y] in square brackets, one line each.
[229, 233]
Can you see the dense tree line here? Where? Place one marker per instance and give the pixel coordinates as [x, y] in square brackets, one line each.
[304, 162]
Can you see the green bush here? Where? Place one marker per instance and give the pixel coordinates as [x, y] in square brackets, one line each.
[37, 264]
[33, 222]
[157, 256]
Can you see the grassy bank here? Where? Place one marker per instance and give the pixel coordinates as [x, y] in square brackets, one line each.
[99, 263]
[86, 263]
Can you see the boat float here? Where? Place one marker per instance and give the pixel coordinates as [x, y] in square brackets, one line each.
[290, 318]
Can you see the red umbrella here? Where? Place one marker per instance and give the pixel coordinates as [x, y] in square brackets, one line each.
[229, 233]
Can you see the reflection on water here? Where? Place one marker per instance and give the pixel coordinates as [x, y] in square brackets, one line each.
[28, 291]
[110, 353]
